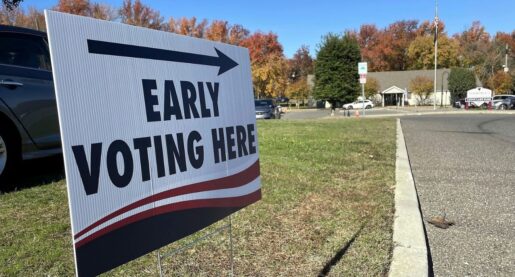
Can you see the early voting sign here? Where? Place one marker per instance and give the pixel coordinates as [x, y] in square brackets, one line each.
[158, 132]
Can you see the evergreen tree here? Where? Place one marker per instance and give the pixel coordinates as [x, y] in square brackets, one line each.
[336, 70]
[461, 80]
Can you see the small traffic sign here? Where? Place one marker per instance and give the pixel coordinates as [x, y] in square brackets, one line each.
[362, 68]
[362, 78]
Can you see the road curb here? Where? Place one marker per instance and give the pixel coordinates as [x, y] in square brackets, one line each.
[410, 250]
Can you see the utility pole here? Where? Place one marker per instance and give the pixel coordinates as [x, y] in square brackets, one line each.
[436, 52]
[506, 68]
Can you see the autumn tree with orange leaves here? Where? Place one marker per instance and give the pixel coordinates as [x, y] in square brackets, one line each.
[140, 15]
[267, 63]
[402, 45]
[86, 8]
[300, 66]
[501, 82]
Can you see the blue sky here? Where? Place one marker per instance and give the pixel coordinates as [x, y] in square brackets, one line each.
[300, 22]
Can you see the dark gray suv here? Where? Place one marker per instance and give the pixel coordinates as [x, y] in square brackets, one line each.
[29, 125]
[508, 103]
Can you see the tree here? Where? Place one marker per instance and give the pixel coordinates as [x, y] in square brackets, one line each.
[13, 16]
[301, 64]
[421, 52]
[78, 7]
[268, 77]
[101, 11]
[397, 38]
[268, 64]
[386, 49]
[336, 71]
[261, 46]
[11, 4]
[85, 8]
[477, 51]
[369, 43]
[140, 15]
[460, 80]
[500, 43]
[500, 82]
[218, 31]
[299, 90]
[187, 27]
[422, 87]
[35, 19]
[371, 87]
[428, 28]
[237, 34]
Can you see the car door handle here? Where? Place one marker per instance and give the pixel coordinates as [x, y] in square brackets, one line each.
[9, 83]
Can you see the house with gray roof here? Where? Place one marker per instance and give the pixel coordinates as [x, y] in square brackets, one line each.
[394, 87]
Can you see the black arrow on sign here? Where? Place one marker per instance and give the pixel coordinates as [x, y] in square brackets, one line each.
[126, 50]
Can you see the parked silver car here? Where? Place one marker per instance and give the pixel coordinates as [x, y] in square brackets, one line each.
[498, 99]
[266, 109]
[29, 125]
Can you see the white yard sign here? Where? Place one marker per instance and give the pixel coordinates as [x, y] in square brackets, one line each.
[158, 133]
[479, 96]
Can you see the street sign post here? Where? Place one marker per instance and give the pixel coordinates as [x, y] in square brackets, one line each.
[158, 134]
[362, 71]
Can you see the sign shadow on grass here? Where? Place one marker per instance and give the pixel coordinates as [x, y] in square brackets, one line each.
[339, 255]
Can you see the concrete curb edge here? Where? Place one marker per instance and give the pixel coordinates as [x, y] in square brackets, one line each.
[410, 251]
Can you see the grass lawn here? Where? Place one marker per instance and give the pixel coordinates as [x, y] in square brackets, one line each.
[327, 207]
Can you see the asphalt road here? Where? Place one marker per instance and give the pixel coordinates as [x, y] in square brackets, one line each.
[321, 113]
[374, 112]
[464, 166]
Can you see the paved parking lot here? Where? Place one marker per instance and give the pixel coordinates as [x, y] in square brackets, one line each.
[464, 166]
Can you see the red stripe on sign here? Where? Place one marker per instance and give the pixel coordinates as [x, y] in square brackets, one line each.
[240, 201]
[239, 179]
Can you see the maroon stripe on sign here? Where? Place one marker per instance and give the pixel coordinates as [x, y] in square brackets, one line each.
[240, 201]
[241, 178]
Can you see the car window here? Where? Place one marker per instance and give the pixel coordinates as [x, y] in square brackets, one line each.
[24, 50]
[261, 103]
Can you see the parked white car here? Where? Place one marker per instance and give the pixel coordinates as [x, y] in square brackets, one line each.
[359, 105]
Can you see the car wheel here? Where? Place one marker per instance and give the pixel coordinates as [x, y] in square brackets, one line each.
[350, 108]
[484, 106]
[9, 154]
[368, 107]
[502, 107]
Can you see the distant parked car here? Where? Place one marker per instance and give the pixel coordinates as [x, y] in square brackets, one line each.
[460, 104]
[282, 99]
[508, 103]
[359, 105]
[266, 109]
[498, 99]
[29, 127]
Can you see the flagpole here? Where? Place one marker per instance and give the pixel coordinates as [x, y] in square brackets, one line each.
[436, 52]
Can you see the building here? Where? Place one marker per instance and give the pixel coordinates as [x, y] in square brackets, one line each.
[394, 87]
